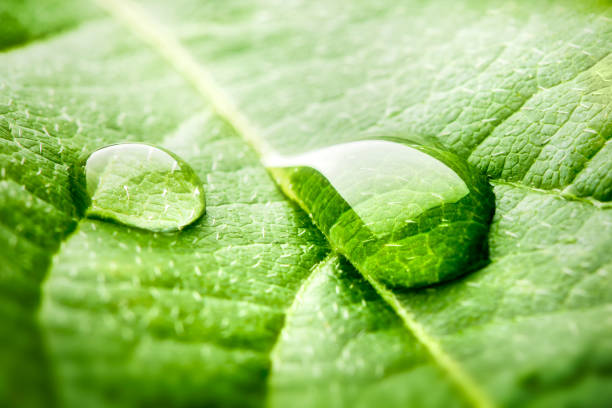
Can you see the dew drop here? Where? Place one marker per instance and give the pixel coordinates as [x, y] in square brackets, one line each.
[143, 186]
[403, 213]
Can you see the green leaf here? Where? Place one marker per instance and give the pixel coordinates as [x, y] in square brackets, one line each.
[227, 311]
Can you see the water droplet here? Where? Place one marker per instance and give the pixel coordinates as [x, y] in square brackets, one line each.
[406, 214]
[143, 186]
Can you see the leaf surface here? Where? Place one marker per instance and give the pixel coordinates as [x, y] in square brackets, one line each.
[521, 90]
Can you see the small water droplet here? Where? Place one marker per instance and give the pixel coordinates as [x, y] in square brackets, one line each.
[406, 214]
[143, 186]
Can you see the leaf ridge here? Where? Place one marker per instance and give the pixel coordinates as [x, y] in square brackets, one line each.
[305, 283]
[472, 391]
[561, 194]
[156, 36]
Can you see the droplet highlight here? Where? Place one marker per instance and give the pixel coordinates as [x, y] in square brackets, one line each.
[143, 186]
[402, 213]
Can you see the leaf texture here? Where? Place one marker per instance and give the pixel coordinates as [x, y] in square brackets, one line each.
[248, 306]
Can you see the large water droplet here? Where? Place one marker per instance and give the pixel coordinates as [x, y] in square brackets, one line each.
[406, 214]
[143, 186]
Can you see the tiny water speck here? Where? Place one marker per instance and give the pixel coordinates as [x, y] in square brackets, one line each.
[143, 186]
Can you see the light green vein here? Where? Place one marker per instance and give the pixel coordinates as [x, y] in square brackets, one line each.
[155, 34]
[473, 392]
